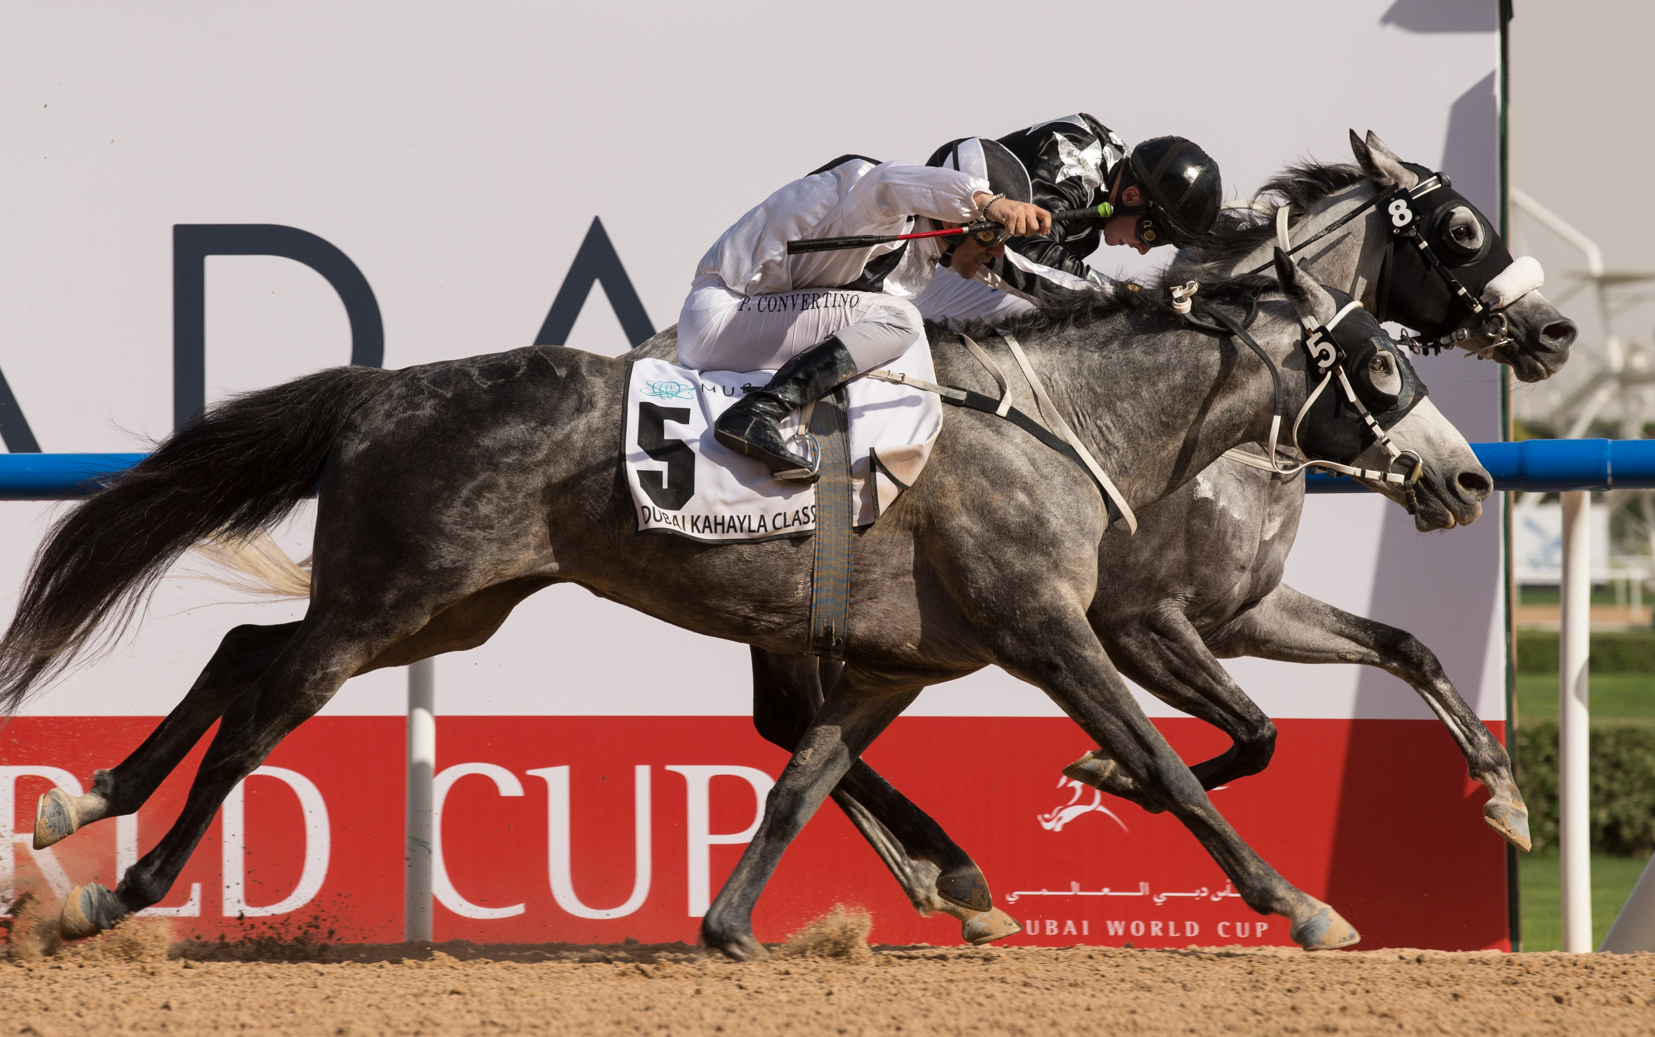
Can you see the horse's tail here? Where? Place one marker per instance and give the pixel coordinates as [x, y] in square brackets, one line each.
[242, 464]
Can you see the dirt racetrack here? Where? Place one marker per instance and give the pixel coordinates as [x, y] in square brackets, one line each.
[134, 981]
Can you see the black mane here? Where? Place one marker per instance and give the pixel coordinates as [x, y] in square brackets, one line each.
[1239, 232]
[1150, 304]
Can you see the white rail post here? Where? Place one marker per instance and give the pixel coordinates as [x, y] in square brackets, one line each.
[422, 764]
[1574, 643]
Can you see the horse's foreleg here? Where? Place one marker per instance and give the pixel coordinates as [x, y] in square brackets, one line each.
[934, 872]
[306, 673]
[1295, 627]
[1163, 653]
[244, 653]
[1061, 655]
[850, 718]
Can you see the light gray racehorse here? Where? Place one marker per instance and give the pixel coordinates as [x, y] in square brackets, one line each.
[452, 491]
[1201, 580]
[1230, 601]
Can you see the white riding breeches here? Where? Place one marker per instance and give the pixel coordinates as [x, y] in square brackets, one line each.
[723, 330]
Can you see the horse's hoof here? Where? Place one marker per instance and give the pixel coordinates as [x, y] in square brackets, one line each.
[54, 818]
[965, 887]
[993, 924]
[89, 910]
[1091, 769]
[731, 937]
[1104, 774]
[1324, 930]
[1511, 820]
[740, 948]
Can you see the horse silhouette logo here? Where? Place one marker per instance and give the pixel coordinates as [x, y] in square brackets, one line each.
[668, 389]
[1066, 812]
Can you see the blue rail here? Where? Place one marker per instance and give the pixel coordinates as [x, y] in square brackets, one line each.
[1546, 465]
[58, 476]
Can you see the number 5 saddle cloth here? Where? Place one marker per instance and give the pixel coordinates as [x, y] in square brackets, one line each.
[683, 481]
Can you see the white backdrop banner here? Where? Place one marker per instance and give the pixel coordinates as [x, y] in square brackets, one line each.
[203, 199]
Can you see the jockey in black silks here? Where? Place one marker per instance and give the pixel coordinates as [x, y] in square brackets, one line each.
[1167, 190]
[822, 318]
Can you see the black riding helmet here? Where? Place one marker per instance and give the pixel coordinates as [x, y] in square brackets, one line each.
[1183, 186]
[989, 160]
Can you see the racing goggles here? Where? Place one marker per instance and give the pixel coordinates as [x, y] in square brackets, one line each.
[985, 234]
[1150, 233]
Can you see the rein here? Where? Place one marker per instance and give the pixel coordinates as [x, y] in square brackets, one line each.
[1060, 437]
[1318, 343]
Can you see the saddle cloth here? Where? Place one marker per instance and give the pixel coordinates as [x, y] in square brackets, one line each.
[683, 481]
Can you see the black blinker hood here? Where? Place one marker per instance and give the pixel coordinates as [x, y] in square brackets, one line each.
[1425, 301]
[1334, 430]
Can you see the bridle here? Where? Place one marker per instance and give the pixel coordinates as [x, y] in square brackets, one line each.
[1403, 224]
[1323, 350]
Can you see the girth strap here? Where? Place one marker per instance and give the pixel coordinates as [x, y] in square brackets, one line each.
[1054, 418]
[830, 572]
[977, 401]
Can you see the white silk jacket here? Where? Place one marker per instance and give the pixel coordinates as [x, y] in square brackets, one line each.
[854, 197]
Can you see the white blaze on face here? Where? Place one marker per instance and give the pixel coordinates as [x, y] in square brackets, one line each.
[1523, 276]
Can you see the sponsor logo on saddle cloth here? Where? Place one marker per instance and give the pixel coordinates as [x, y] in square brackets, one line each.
[683, 481]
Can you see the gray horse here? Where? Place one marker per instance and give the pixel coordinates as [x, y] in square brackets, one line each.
[449, 492]
[1203, 610]
[1170, 610]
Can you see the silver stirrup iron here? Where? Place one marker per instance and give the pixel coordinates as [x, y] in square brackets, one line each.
[805, 445]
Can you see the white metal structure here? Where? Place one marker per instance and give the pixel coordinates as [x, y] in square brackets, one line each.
[422, 764]
[1574, 833]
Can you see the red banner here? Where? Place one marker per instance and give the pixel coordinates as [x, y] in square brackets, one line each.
[596, 829]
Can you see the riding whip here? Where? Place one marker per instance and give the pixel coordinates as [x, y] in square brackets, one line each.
[984, 231]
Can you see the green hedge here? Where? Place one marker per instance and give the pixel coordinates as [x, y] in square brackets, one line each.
[1623, 785]
[1613, 651]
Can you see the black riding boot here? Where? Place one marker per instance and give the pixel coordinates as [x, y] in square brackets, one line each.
[752, 424]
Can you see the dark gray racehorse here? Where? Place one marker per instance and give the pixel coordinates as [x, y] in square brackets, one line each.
[1172, 610]
[449, 492]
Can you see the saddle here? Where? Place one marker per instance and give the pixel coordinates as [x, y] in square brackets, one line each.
[684, 482]
[875, 438]
[876, 434]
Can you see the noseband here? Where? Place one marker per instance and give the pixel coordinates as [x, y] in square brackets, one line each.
[1324, 352]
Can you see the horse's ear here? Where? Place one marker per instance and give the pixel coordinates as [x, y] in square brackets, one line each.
[1313, 305]
[1380, 162]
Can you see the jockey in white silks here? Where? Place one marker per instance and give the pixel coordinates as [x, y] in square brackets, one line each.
[822, 318]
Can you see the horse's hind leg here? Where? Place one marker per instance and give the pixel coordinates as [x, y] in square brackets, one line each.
[1060, 654]
[851, 716]
[306, 673]
[244, 653]
[1163, 653]
[1295, 627]
[935, 873]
